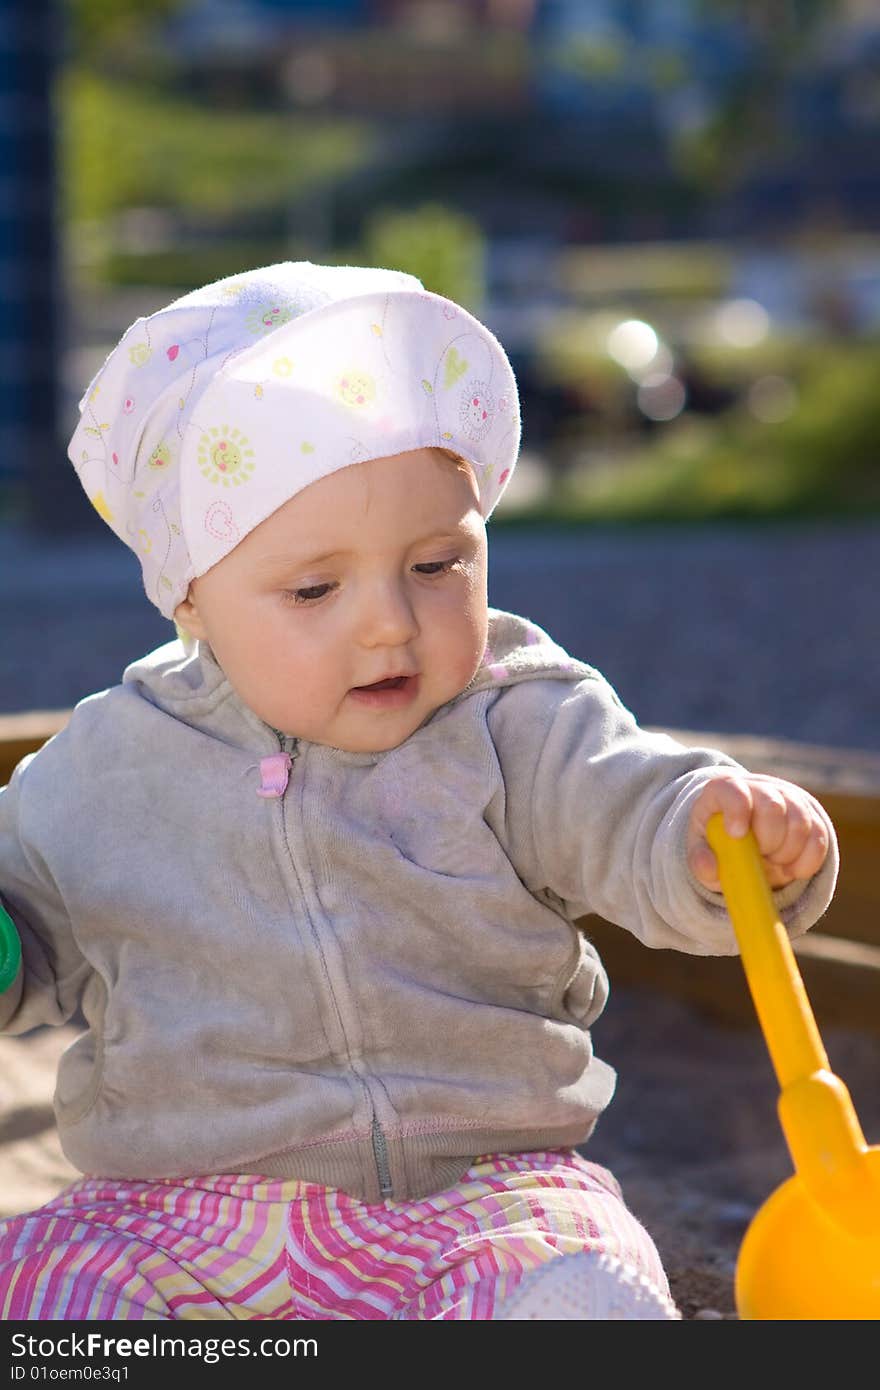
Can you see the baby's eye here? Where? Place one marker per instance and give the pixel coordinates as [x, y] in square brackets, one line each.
[309, 595]
[436, 566]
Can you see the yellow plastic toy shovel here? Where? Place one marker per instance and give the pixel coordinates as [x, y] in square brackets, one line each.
[812, 1251]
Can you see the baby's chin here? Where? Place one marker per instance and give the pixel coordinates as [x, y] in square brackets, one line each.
[378, 740]
[372, 740]
[365, 745]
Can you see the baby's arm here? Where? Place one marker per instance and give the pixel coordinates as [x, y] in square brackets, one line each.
[599, 815]
[47, 985]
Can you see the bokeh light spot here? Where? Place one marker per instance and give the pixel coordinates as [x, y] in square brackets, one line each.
[661, 397]
[771, 399]
[633, 343]
[742, 322]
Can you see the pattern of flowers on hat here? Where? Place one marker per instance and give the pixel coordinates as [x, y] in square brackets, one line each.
[161, 457]
[477, 410]
[356, 388]
[220, 522]
[215, 410]
[265, 317]
[139, 354]
[454, 366]
[225, 456]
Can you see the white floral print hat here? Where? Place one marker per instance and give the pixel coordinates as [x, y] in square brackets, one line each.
[211, 413]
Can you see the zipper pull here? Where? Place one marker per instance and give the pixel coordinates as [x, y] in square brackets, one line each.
[274, 774]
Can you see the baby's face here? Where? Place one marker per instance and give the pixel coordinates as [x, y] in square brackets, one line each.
[376, 573]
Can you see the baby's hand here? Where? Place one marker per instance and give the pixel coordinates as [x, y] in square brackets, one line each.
[785, 820]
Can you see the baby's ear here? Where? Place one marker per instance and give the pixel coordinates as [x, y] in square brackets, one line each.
[188, 620]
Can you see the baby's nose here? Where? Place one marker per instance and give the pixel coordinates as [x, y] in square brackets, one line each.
[387, 618]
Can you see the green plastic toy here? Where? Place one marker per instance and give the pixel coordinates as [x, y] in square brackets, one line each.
[10, 950]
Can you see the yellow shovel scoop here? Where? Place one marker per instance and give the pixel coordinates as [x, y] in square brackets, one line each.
[813, 1249]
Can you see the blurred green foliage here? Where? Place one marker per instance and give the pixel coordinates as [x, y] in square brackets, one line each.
[96, 26]
[125, 145]
[820, 459]
[443, 247]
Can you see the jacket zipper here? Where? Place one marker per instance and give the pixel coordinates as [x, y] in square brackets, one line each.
[380, 1156]
[290, 745]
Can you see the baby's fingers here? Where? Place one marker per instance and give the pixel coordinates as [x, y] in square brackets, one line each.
[790, 833]
[730, 795]
[805, 845]
[778, 834]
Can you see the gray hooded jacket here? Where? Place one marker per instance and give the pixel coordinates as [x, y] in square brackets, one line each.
[367, 980]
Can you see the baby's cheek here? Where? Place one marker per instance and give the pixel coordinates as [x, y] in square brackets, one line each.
[479, 626]
[470, 656]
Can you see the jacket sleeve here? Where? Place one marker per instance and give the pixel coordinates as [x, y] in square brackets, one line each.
[596, 815]
[49, 983]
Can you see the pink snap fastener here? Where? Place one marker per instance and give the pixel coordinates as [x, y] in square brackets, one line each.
[274, 774]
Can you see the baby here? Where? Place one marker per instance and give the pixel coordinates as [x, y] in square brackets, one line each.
[312, 872]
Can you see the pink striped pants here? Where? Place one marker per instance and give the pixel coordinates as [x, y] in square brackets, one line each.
[250, 1247]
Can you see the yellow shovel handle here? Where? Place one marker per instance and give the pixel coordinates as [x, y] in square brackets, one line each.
[771, 970]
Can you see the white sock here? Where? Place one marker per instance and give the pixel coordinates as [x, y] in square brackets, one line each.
[590, 1285]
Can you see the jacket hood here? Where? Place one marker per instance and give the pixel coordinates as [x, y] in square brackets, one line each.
[519, 650]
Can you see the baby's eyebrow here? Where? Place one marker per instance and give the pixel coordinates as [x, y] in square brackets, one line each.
[275, 563]
[289, 562]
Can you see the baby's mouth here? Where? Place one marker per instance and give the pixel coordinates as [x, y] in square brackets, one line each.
[391, 692]
[389, 683]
